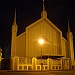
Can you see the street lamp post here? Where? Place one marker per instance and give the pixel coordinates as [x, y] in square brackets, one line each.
[41, 42]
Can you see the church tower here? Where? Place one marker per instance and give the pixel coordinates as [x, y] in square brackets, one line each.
[70, 42]
[14, 34]
[44, 13]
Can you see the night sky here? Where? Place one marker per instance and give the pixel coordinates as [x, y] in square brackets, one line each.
[29, 11]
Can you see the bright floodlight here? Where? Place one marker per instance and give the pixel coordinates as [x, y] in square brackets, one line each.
[41, 41]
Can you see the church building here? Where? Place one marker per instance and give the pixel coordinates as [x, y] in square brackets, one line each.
[54, 46]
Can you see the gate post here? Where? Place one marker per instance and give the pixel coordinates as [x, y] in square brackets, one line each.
[34, 62]
[15, 62]
[49, 63]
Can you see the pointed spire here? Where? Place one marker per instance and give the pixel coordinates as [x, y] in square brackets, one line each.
[14, 23]
[68, 25]
[44, 13]
[43, 6]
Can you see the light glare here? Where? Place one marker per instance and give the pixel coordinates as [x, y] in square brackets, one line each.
[41, 41]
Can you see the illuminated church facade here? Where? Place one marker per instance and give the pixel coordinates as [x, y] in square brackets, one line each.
[55, 45]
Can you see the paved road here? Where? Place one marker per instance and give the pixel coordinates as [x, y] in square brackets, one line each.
[8, 72]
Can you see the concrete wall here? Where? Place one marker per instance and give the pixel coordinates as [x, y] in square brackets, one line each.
[65, 50]
[39, 30]
[21, 45]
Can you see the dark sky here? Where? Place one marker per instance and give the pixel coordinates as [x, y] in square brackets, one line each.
[28, 11]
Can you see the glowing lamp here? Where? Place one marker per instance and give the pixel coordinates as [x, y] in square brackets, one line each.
[41, 41]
